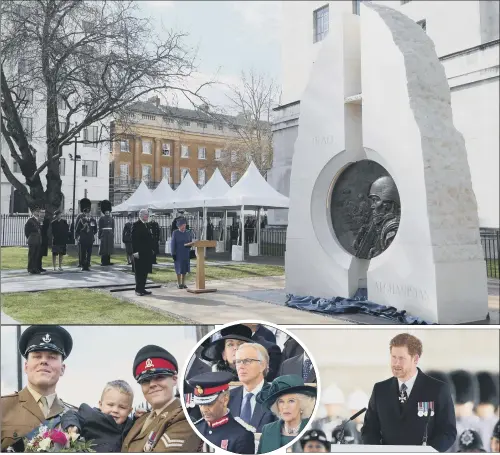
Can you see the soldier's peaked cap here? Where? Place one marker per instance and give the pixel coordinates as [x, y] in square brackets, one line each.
[152, 361]
[45, 338]
[315, 435]
[208, 386]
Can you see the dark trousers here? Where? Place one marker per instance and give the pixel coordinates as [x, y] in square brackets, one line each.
[79, 257]
[105, 259]
[39, 262]
[140, 280]
[34, 257]
[85, 254]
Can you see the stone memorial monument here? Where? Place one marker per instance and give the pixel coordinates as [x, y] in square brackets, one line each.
[380, 191]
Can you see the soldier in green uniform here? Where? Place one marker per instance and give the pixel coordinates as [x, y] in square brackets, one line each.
[164, 428]
[45, 347]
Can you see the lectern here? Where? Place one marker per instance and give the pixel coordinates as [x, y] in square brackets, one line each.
[200, 265]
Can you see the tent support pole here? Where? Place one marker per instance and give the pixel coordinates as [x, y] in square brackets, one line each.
[242, 220]
[224, 233]
[258, 232]
[205, 226]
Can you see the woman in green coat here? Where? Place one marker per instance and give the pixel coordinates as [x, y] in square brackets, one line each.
[293, 403]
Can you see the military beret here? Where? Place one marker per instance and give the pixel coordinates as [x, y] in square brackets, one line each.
[208, 386]
[45, 338]
[315, 435]
[470, 441]
[152, 361]
[488, 388]
[466, 387]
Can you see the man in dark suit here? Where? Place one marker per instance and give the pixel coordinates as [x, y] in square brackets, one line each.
[44, 247]
[261, 331]
[410, 408]
[143, 250]
[252, 365]
[291, 349]
[32, 231]
[300, 365]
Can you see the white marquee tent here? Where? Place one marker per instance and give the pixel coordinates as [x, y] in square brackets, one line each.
[186, 191]
[139, 200]
[214, 188]
[162, 194]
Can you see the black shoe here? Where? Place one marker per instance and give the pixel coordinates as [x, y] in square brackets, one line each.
[179, 286]
[147, 292]
[140, 293]
[184, 286]
[42, 270]
[34, 272]
[110, 263]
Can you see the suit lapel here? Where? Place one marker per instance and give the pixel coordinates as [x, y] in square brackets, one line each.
[394, 397]
[29, 403]
[257, 415]
[56, 409]
[235, 401]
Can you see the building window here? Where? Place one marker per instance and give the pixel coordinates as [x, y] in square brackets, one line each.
[234, 178]
[90, 136]
[219, 127]
[184, 172]
[89, 168]
[167, 119]
[22, 67]
[165, 173]
[27, 124]
[25, 95]
[148, 117]
[201, 176]
[184, 151]
[124, 167]
[423, 24]
[233, 157]
[202, 153]
[147, 146]
[124, 145]
[218, 154]
[15, 167]
[202, 124]
[146, 173]
[62, 127]
[62, 166]
[61, 104]
[183, 123]
[87, 27]
[165, 149]
[320, 23]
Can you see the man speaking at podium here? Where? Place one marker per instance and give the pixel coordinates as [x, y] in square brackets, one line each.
[410, 408]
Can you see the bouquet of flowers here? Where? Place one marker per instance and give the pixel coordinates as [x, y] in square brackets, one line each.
[52, 440]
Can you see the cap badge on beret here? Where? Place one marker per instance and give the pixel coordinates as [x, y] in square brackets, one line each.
[47, 338]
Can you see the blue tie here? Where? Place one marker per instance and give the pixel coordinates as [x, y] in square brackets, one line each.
[306, 369]
[246, 409]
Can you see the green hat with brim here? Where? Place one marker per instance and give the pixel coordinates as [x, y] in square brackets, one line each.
[284, 385]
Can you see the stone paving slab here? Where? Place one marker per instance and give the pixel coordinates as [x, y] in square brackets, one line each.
[227, 305]
[48, 281]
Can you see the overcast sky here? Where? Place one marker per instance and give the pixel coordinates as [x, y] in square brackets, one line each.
[230, 37]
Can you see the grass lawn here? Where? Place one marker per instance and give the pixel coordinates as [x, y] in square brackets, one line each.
[492, 268]
[220, 272]
[14, 257]
[77, 306]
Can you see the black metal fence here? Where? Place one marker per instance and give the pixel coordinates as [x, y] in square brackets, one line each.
[272, 241]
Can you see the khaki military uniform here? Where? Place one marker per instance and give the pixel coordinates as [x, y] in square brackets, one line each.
[21, 414]
[165, 431]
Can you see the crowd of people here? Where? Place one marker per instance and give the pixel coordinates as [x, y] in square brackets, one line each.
[241, 379]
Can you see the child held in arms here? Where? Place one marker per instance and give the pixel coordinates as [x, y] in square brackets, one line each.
[107, 425]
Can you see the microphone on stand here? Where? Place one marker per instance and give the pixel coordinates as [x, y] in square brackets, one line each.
[341, 437]
[424, 440]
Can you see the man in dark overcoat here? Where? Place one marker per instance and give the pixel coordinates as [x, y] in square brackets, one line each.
[154, 228]
[143, 250]
[32, 231]
[410, 408]
[106, 233]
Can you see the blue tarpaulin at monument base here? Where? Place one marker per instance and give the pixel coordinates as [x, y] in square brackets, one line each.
[358, 304]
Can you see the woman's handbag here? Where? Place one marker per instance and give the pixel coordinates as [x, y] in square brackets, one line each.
[192, 254]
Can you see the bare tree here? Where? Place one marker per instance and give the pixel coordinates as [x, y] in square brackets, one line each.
[77, 63]
[254, 101]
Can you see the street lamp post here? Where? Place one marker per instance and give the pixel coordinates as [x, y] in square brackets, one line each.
[75, 159]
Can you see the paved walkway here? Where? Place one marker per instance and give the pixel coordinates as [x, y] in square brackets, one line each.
[250, 298]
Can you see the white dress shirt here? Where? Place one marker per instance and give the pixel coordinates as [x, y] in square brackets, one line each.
[409, 384]
[255, 391]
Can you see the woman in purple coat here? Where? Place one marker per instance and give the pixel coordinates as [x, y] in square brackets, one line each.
[180, 253]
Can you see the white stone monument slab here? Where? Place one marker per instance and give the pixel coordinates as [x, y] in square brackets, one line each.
[401, 119]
